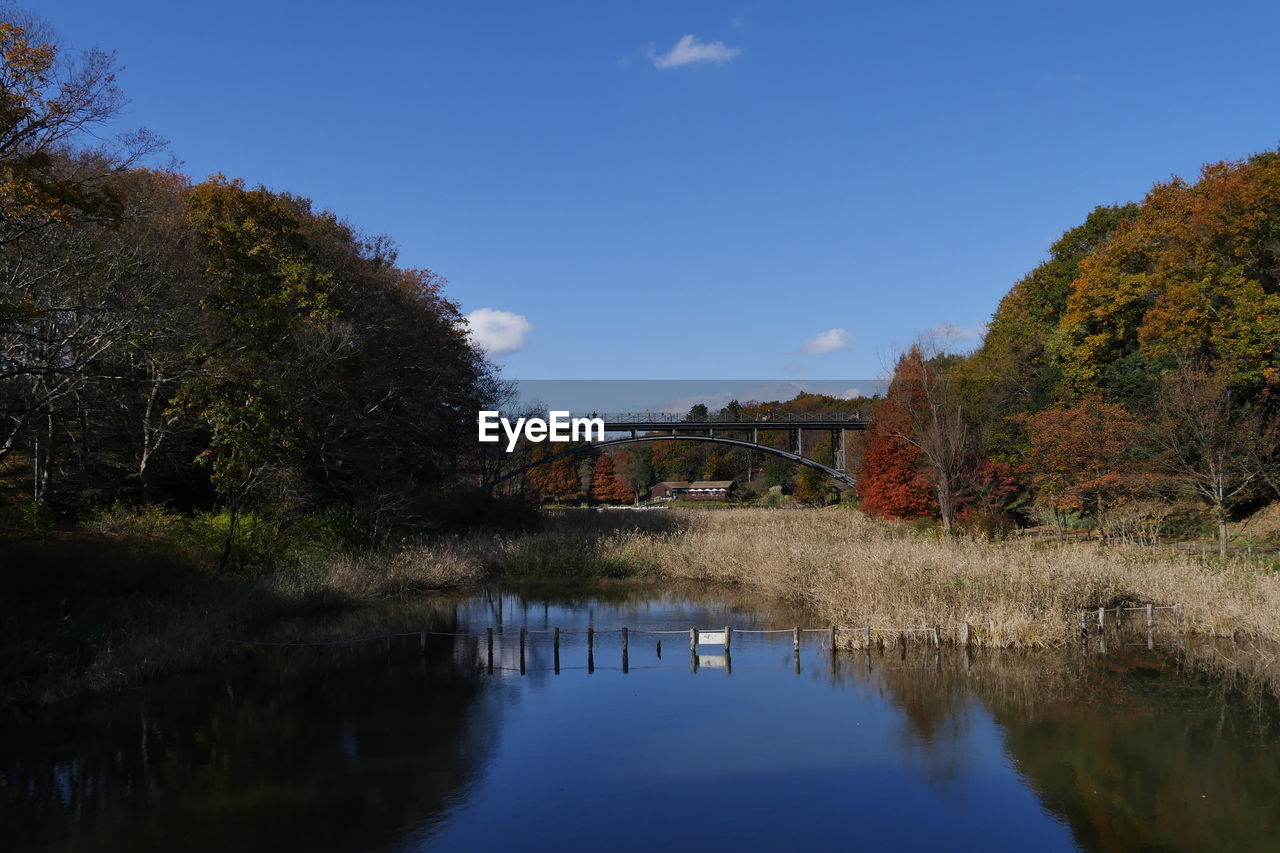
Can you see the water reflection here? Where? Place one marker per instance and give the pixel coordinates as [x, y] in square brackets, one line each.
[590, 741]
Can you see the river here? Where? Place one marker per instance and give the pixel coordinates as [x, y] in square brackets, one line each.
[390, 746]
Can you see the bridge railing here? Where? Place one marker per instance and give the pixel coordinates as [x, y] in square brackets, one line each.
[725, 417]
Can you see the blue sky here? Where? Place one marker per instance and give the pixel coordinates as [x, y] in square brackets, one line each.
[675, 189]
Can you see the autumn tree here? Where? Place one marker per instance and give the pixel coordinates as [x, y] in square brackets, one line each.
[892, 480]
[604, 480]
[555, 480]
[932, 419]
[1087, 457]
[1212, 440]
[54, 165]
[1196, 271]
[813, 486]
[634, 470]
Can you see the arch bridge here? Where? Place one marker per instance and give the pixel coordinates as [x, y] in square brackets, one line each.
[743, 432]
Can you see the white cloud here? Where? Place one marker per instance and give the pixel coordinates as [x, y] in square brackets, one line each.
[828, 341]
[851, 394]
[689, 50]
[498, 332]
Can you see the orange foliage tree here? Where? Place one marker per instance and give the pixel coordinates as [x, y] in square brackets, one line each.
[1195, 273]
[892, 481]
[557, 480]
[605, 485]
[1087, 457]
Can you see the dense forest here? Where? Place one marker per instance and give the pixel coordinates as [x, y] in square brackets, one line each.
[1129, 383]
[207, 346]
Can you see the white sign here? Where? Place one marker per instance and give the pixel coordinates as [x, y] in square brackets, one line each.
[711, 638]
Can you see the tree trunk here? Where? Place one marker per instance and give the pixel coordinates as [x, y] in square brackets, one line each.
[1220, 511]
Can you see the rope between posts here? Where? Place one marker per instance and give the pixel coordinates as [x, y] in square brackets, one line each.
[927, 629]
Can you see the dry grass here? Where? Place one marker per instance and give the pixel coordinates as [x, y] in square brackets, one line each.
[846, 569]
[852, 570]
[836, 564]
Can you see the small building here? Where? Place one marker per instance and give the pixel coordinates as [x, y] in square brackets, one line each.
[710, 490]
[669, 489]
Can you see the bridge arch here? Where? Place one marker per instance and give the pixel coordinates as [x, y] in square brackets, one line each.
[835, 474]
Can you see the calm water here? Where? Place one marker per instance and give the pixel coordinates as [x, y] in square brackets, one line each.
[385, 747]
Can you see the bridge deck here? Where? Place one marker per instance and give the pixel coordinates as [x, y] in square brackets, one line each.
[781, 422]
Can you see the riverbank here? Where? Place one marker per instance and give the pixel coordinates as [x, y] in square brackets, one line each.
[111, 611]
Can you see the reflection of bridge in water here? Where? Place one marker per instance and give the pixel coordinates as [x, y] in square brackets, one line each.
[741, 431]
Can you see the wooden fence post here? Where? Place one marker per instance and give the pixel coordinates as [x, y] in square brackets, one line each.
[591, 639]
[693, 640]
[489, 631]
[1150, 616]
[964, 634]
[522, 633]
[728, 637]
[795, 640]
[624, 640]
[832, 639]
[555, 643]
[868, 638]
[1102, 615]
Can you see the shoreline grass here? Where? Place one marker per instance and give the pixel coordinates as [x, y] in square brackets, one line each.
[837, 564]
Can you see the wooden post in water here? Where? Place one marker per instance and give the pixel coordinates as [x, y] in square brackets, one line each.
[1102, 615]
[693, 640]
[489, 631]
[937, 635]
[591, 639]
[555, 642]
[964, 634]
[422, 641]
[795, 640]
[1150, 616]
[832, 639]
[728, 638]
[522, 632]
[868, 639]
[624, 640]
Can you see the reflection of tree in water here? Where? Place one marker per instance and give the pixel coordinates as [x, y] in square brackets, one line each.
[328, 749]
[933, 698]
[1133, 760]
[1130, 753]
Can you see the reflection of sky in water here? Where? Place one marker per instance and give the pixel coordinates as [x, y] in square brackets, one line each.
[394, 747]
[663, 757]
